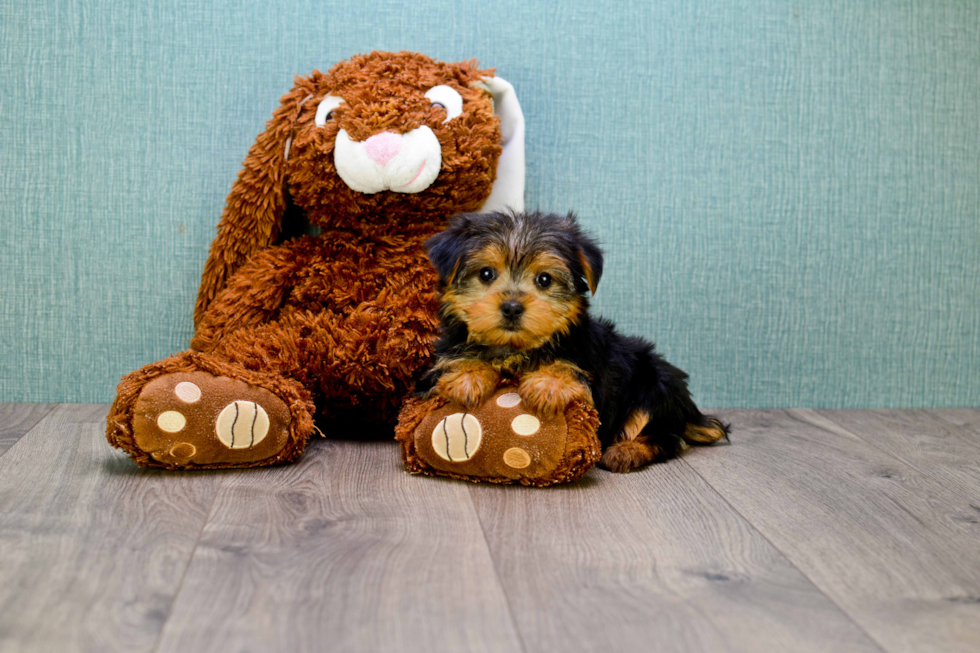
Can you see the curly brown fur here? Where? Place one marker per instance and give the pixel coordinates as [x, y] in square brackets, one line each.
[348, 316]
[515, 298]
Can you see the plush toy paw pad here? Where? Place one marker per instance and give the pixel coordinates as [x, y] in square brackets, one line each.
[525, 425]
[457, 437]
[187, 392]
[517, 458]
[171, 421]
[194, 417]
[242, 424]
[183, 450]
[508, 400]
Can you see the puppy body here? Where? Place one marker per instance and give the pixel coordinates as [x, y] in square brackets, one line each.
[515, 305]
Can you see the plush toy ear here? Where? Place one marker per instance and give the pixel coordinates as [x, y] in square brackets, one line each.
[253, 213]
[447, 249]
[508, 188]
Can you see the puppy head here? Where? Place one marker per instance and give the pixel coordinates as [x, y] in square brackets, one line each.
[515, 279]
[393, 134]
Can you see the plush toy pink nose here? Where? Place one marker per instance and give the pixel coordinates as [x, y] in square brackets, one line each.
[383, 147]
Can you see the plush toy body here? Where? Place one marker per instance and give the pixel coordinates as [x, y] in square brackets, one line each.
[378, 153]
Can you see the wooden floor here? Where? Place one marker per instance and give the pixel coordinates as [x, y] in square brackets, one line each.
[813, 531]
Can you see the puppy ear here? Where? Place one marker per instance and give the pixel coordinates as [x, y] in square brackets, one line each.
[253, 212]
[589, 256]
[447, 249]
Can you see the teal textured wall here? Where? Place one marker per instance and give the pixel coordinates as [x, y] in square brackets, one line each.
[789, 193]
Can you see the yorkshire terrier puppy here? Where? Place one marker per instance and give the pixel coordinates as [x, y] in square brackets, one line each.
[515, 306]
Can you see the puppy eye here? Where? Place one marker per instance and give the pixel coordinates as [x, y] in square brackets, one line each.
[543, 280]
[325, 111]
[487, 275]
[448, 98]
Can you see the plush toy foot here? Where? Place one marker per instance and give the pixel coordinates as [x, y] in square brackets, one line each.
[499, 441]
[194, 417]
[194, 410]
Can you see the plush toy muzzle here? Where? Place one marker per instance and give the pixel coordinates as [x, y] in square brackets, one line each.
[402, 163]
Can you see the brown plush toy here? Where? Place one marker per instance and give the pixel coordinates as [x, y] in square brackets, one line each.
[378, 153]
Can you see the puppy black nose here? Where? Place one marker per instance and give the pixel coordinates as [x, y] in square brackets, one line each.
[512, 309]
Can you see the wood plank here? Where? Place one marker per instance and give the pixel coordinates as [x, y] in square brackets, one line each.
[945, 452]
[652, 560]
[878, 537]
[345, 551]
[17, 419]
[93, 548]
[968, 418]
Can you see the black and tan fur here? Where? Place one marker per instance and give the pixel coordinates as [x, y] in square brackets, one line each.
[515, 306]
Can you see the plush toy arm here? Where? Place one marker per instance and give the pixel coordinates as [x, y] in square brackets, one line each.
[253, 213]
[251, 298]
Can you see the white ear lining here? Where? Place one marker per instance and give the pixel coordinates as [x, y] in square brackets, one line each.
[508, 189]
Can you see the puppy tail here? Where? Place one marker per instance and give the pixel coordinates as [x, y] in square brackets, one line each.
[706, 430]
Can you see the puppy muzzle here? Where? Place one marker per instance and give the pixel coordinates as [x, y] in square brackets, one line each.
[511, 311]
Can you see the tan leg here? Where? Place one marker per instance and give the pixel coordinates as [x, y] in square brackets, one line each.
[631, 449]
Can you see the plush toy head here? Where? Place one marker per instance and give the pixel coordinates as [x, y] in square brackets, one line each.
[402, 123]
[382, 143]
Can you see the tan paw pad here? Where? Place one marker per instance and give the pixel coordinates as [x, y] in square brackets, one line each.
[517, 458]
[183, 450]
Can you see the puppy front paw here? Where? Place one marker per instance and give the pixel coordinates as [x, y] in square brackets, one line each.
[468, 384]
[549, 391]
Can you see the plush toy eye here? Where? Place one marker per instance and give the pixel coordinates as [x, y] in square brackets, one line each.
[487, 275]
[324, 112]
[543, 280]
[448, 98]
